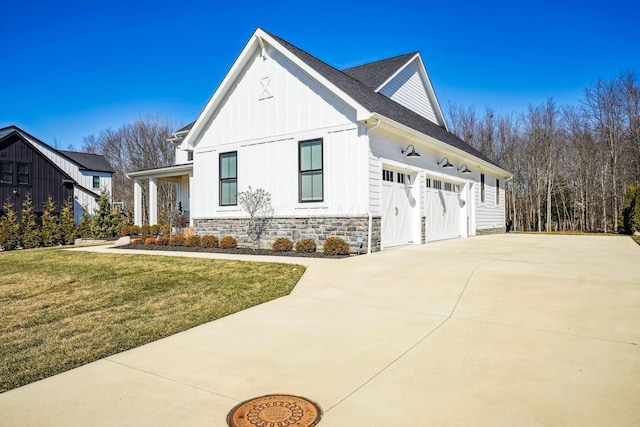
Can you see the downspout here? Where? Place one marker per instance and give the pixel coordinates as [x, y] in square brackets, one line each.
[369, 210]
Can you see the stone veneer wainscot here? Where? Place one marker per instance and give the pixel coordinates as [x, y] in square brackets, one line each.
[318, 228]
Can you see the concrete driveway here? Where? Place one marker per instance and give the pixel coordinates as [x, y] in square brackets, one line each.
[497, 330]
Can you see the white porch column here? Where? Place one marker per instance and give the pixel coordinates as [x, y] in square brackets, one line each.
[137, 202]
[153, 201]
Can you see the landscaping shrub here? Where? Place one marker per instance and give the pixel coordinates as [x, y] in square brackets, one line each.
[162, 240]
[208, 241]
[134, 230]
[145, 229]
[177, 240]
[165, 229]
[306, 245]
[154, 229]
[125, 230]
[9, 228]
[192, 241]
[137, 241]
[336, 246]
[150, 241]
[29, 229]
[106, 221]
[68, 231]
[49, 229]
[228, 242]
[282, 245]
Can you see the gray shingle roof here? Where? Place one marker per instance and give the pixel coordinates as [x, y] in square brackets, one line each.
[87, 161]
[376, 73]
[187, 127]
[380, 104]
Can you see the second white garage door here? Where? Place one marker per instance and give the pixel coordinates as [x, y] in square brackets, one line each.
[443, 211]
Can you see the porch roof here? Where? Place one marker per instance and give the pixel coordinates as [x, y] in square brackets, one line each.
[166, 172]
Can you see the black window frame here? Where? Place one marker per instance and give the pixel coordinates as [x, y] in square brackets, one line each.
[93, 182]
[3, 174]
[18, 174]
[497, 192]
[482, 195]
[301, 172]
[229, 179]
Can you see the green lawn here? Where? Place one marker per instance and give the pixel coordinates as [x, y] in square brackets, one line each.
[63, 309]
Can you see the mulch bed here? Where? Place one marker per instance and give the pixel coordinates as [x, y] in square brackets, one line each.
[241, 251]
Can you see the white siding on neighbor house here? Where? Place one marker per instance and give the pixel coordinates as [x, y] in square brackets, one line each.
[84, 178]
[489, 214]
[273, 97]
[408, 89]
[272, 164]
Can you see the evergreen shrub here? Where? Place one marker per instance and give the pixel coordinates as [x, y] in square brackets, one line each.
[282, 245]
[306, 245]
[228, 242]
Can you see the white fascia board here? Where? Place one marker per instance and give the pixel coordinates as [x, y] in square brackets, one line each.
[361, 112]
[162, 172]
[257, 41]
[233, 73]
[398, 71]
[431, 93]
[438, 145]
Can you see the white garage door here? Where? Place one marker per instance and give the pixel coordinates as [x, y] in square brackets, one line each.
[398, 209]
[443, 212]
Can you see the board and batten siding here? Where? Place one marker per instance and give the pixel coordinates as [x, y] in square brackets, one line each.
[44, 179]
[272, 165]
[489, 215]
[84, 178]
[273, 97]
[408, 89]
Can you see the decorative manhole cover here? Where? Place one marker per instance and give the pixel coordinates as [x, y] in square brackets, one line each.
[275, 410]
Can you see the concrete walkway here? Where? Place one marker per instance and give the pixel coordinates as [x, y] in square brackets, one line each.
[497, 330]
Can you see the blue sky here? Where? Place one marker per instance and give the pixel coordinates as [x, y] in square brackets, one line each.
[72, 69]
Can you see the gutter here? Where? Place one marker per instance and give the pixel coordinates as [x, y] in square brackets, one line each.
[439, 145]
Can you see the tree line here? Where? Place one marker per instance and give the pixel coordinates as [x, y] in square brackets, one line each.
[573, 164]
[142, 144]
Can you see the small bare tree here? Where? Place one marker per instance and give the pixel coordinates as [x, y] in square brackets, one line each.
[257, 203]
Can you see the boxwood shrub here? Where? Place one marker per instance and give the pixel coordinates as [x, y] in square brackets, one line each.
[208, 241]
[306, 245]
[336, 246]
[228, 242]
[282, 245]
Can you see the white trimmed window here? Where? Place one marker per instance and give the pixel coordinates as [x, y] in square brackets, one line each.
[311, 172]
[229, 178]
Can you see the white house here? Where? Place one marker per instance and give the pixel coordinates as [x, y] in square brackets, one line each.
[362, 153]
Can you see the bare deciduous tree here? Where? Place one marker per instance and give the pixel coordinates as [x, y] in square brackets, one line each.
[257, 203]
[136, 146]
[571, 165]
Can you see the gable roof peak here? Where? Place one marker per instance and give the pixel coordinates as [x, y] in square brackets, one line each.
[374, 74]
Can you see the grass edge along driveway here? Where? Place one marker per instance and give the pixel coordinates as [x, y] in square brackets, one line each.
[63, 309]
